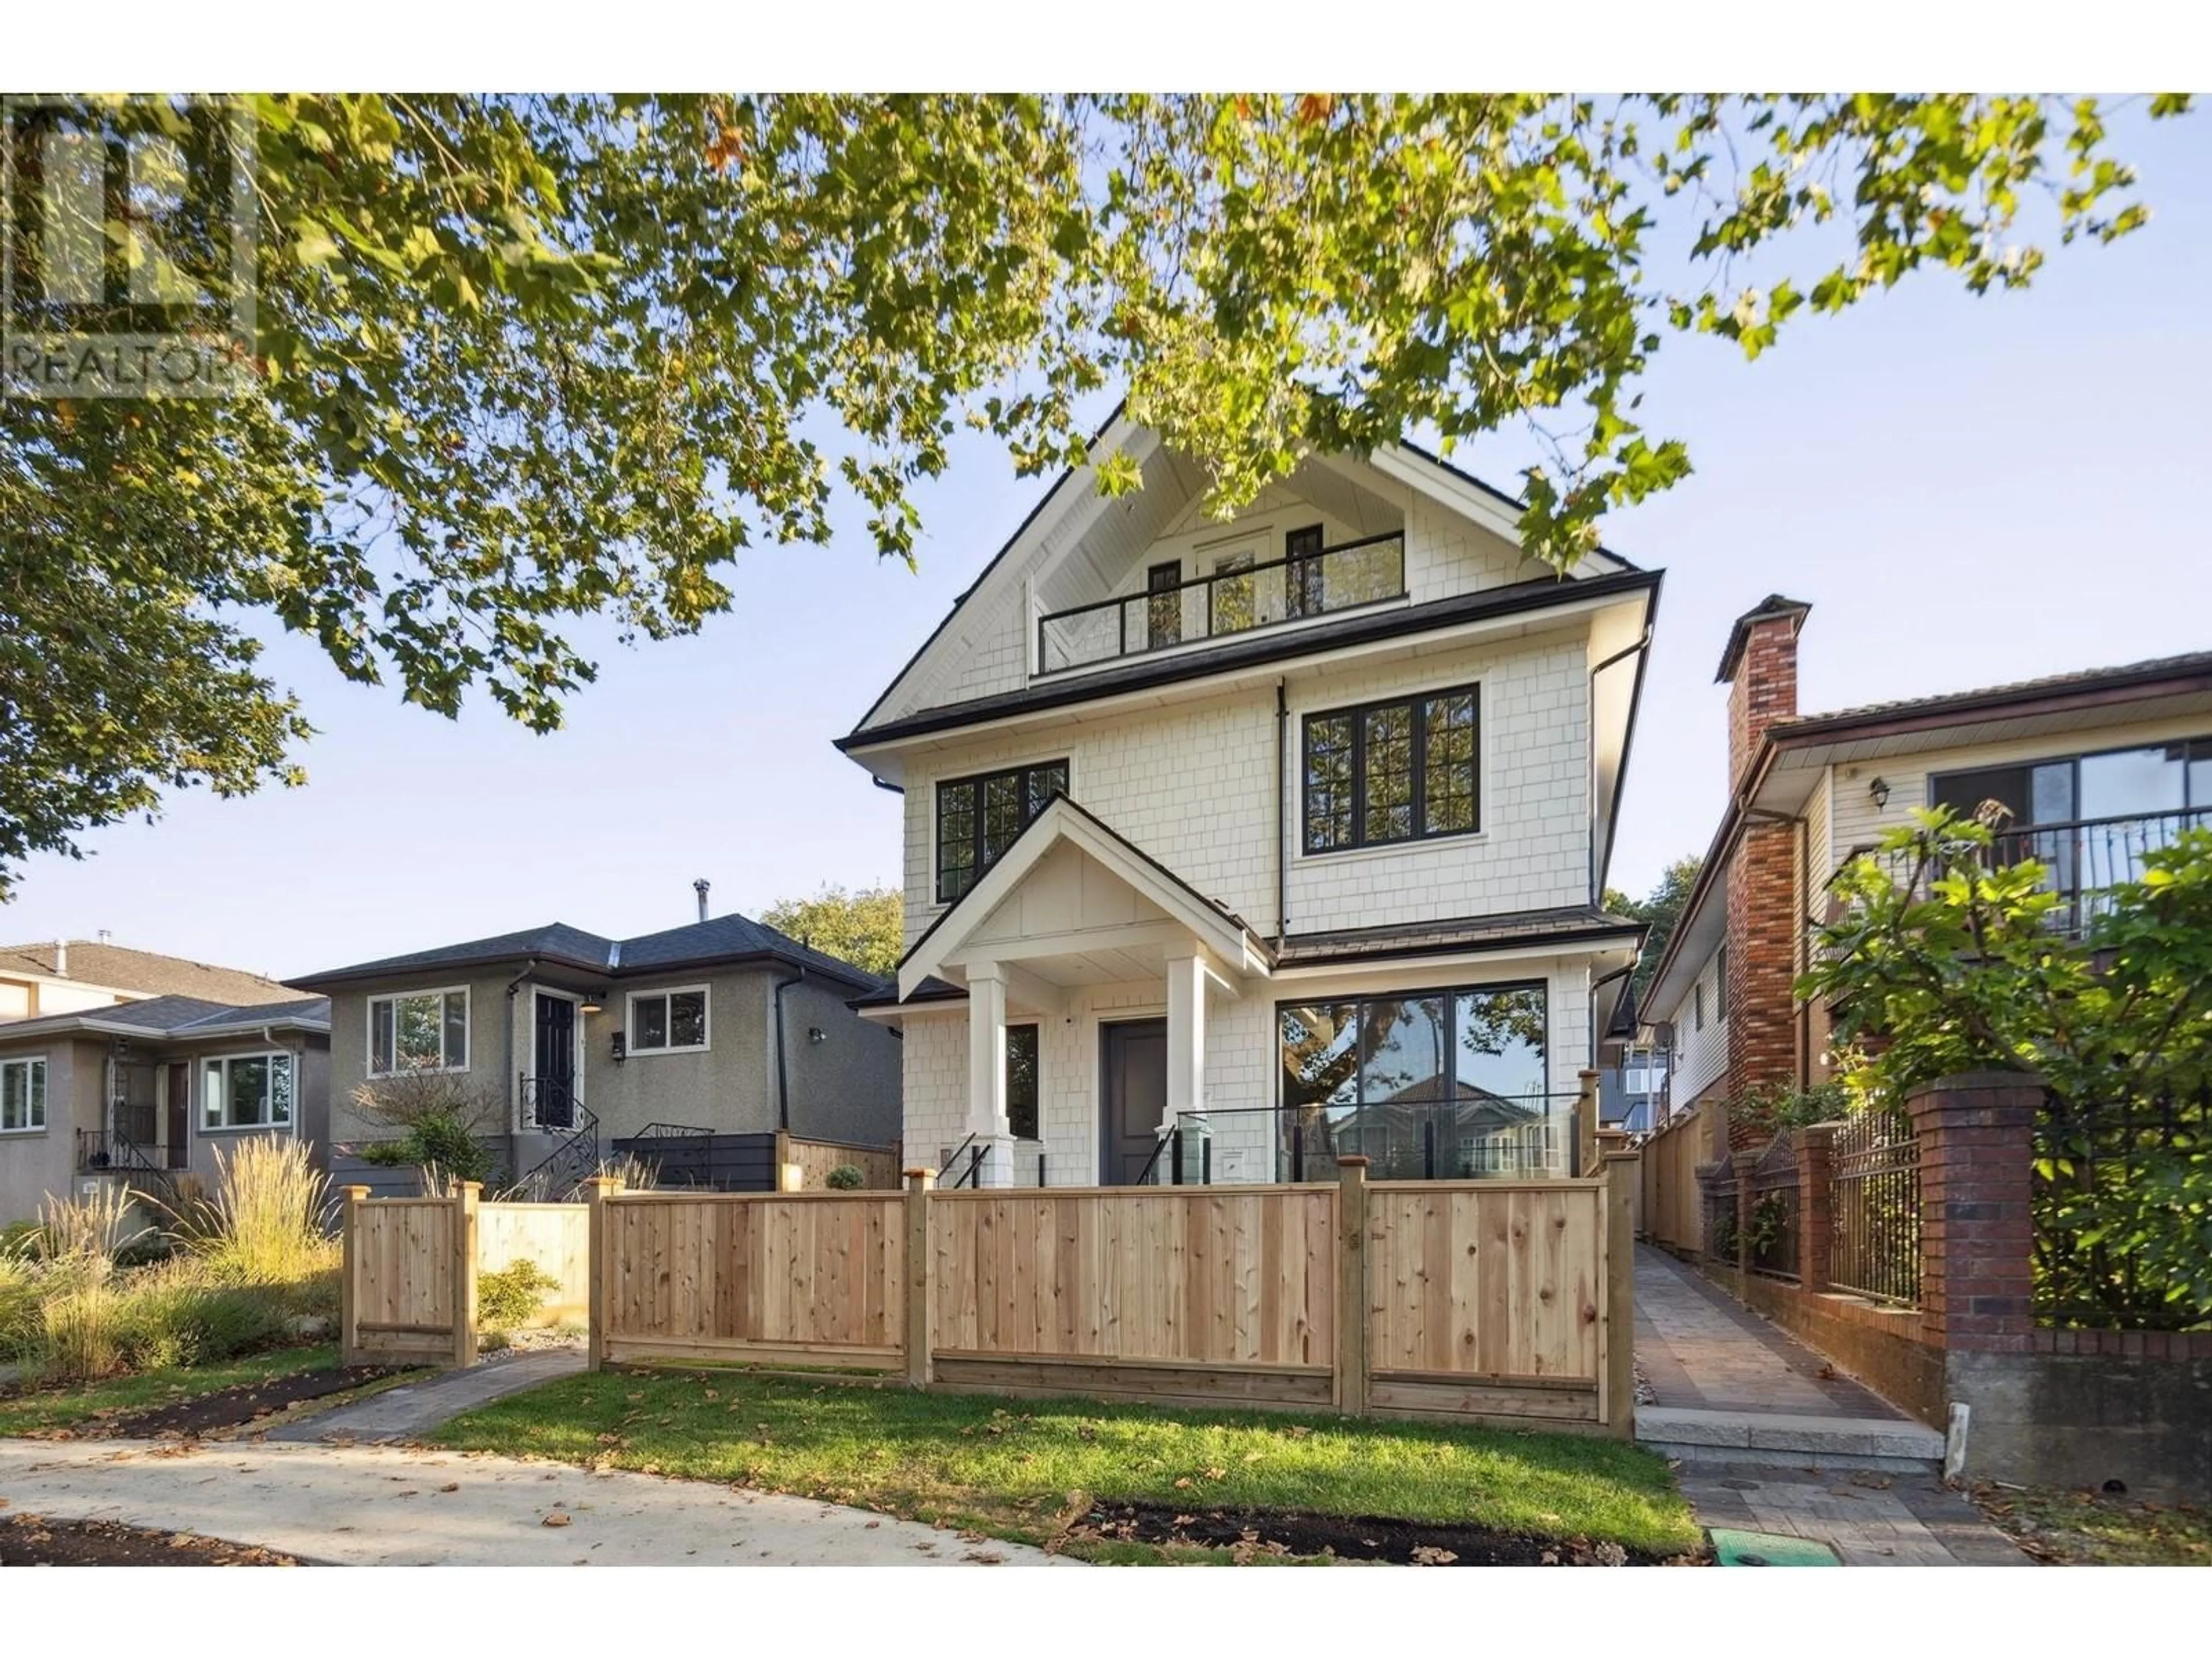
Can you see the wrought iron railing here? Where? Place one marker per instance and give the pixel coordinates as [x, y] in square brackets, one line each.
[549, 1103]
[571, 1164]
[1225, 602]
[100, 1151]
[1874, 1200]
[1772, 1227]
[2102, 1177]
[2089, 857]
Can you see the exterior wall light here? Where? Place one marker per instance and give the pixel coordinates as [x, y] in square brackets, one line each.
[618, 1047]
[815, 1034]
[593, 1002]
[1879, 790]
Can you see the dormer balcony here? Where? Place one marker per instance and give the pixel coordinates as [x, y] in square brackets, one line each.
[1231, 600]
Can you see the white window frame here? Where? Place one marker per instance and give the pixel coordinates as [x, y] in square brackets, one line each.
[289, 1126]
[664, 993]
[368, 1031]
[45, 1078]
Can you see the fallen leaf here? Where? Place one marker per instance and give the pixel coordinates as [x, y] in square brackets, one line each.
[1428, 1555]
[1183, 1483]
[556, 1519]
[451, 1486]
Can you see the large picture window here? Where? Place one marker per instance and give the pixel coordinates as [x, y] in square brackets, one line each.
[1442, 1083]
[1393, 771]
[22, 1096]
[978, 817]
[247, 1092]
[420, 1031]
[668, 1022]
[1022, 1082]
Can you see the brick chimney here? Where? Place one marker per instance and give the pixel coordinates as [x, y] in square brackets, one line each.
[1760, 667]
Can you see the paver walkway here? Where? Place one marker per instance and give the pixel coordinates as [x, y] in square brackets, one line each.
[412, 1410]
[400, 1507]
[1704, 1353]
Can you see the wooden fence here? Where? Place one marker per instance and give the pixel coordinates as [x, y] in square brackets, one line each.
[1501, 1301]
[407, 1291]
[1673, 1205]
[814, 1159]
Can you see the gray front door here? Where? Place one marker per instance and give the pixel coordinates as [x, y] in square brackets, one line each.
[1134, 1061]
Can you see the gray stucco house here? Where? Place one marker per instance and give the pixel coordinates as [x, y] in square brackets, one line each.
[724, 1026]
[146, 1092]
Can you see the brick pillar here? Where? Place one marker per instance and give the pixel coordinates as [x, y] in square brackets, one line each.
[1815, 1220]
[1977, 1136]
[1743, 1164]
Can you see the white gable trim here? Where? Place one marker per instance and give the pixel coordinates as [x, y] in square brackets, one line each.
[1063, 822]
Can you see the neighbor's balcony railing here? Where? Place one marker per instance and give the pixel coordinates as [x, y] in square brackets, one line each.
[2089, 857]
[1224, 603]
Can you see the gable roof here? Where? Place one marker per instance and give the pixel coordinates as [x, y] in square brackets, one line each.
[1497, 510]
[148, 973]
[1062, 820]
[719, 942]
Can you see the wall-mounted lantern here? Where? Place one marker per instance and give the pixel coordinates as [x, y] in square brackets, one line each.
[618, 1047]
[1879, 790]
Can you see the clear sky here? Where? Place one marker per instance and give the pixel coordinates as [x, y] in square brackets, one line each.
[1967, 491]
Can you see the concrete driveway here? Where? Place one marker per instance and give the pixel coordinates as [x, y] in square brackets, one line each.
[371, 1506]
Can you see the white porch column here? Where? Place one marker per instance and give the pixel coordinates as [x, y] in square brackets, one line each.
[1185, 1031]
[987, 1072]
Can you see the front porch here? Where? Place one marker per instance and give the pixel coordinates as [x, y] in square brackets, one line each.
[1082, 1017]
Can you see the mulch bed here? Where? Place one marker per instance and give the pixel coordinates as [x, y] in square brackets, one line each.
[1251, 1534]
[29, 1541]
[237, 1407]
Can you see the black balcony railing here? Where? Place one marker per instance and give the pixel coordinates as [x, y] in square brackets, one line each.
[1225, 602]
[2089, 857]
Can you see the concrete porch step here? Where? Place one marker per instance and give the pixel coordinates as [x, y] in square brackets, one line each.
[1899, 1446]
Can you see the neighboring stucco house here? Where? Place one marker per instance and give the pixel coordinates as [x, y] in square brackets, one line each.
[1253, 827]
[2093, 767]
[146, 1091]
[725, 1026]
[61, 976]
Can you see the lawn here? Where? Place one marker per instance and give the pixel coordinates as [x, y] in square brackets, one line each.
[2079, 1528]
[62, 1408]
[1011, 1467]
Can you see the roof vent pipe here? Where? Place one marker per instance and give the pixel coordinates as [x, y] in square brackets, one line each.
[700, 888]
[61, 958]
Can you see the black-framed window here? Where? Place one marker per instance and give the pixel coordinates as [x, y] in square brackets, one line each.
[978, 817]
[1453, 1081]
[1404, 771]
[1022, 1082]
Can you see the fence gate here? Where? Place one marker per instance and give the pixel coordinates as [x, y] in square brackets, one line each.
[408, 1285]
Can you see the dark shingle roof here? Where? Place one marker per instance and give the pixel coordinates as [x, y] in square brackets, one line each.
[717, 941]
[1565, 925]
[2155, 668]
[118, 968]
[173, 1017]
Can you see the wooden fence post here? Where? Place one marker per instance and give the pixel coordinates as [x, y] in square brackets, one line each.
[597, 1191]
[921, 1279]
[789, 1178]
[1586, 1126]
[1352, 1286]
[1616, 1335]
[466, 1196]
[349, 1296]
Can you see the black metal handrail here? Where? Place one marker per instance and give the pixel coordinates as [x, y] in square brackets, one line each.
[1236, 601]
[569, 1164]
[100, 1151]
[549, 1102]
[668, 1132]
[973, 1175]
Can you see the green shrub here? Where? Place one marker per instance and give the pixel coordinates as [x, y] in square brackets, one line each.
[388, 1154]
[22, 1238]
[846, 1177]
[512, 1297]
[448, 1144]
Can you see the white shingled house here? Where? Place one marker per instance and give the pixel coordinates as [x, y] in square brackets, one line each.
[1232, 846]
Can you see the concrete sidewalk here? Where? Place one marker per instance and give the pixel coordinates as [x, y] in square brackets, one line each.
[394, 1506]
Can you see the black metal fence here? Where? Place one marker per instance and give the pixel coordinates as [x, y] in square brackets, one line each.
[1720, 1214]
[1874, 1198]
[1772, 1227]
[2104, 1184]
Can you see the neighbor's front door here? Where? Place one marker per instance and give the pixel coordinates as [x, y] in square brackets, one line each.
[1134, 1057]
[555, 1057]
[179, 1115]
